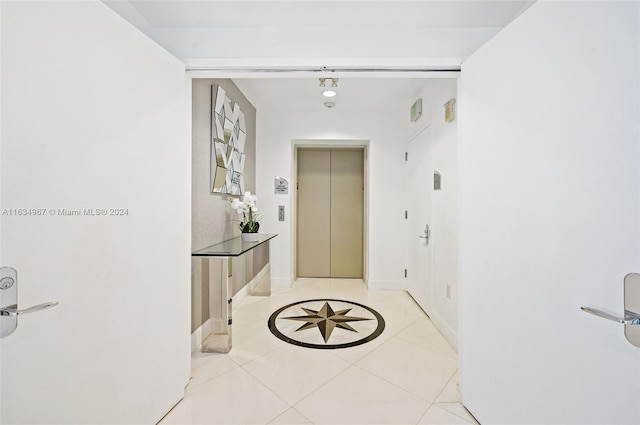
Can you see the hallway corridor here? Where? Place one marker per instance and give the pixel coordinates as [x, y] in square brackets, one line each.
[407, 375]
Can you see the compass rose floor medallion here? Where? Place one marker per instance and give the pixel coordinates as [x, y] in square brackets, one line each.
[326, 324]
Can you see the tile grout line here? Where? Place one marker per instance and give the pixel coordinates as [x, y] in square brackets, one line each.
[426, 348]
[254, 359]
[297, 411]
[425, 413]
[188, 388]
[321, 386]
[392, 383]
[455, 414]
[398, 386]
[445, 386]
[272, 392]
[289, 404]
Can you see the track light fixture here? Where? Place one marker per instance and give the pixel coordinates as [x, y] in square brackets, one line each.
[329, 93]
[323, 81]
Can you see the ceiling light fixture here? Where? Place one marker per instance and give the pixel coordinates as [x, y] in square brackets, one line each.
[329, 93]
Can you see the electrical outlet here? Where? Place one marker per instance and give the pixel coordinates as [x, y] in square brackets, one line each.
[448, 291]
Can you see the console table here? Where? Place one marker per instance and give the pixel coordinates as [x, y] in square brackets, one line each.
[222, 290]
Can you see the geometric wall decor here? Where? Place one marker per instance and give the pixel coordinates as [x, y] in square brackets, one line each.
[228, 136]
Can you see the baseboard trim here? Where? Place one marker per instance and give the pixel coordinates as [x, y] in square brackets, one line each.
[248, 288]
[197, 335]
[281, 282]
[241, 295]
[387, 285]
[449, 334]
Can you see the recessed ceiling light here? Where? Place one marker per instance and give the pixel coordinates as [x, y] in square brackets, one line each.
[329, 104]
[329, 93]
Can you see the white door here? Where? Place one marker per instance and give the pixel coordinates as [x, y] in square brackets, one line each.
[420, 219]
[94, 215]
[549, 160]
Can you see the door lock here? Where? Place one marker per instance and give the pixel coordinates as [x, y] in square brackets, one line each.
[427, 234]
[9, 311]
[6, 282]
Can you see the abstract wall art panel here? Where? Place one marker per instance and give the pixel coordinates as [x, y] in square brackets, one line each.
[228, 135]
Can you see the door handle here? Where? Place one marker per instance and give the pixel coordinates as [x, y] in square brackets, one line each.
[631, 318]
[9, 310]
[427, 234]
[13, 310]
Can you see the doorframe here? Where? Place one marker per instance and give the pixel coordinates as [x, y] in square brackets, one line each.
[329, 144]
[428, 310]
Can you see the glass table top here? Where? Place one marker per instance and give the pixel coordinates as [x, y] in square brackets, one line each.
[233, 247]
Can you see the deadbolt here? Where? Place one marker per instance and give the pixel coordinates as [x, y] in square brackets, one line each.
[6, 282]
[9, 310]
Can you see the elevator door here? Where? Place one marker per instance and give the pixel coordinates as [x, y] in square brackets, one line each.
[330, 213]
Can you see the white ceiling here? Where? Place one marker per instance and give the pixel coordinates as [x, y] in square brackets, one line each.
[312, 34]
[305, 94]
[252, 33]
[332, 14]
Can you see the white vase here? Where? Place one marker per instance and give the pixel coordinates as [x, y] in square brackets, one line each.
[250, 237]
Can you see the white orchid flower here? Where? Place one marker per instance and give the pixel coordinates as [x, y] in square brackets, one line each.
[247, 208]
[239, 206]
[235, 203]
[249, 199]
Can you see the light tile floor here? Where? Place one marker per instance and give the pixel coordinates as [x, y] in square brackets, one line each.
[408, 375]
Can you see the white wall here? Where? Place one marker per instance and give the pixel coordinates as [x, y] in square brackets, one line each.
[444, 142]
[278, 126]
[549, 170]
[93, 117]
[1, 258]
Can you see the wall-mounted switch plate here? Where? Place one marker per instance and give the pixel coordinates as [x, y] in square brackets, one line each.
[448, 291]
[280, 212]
